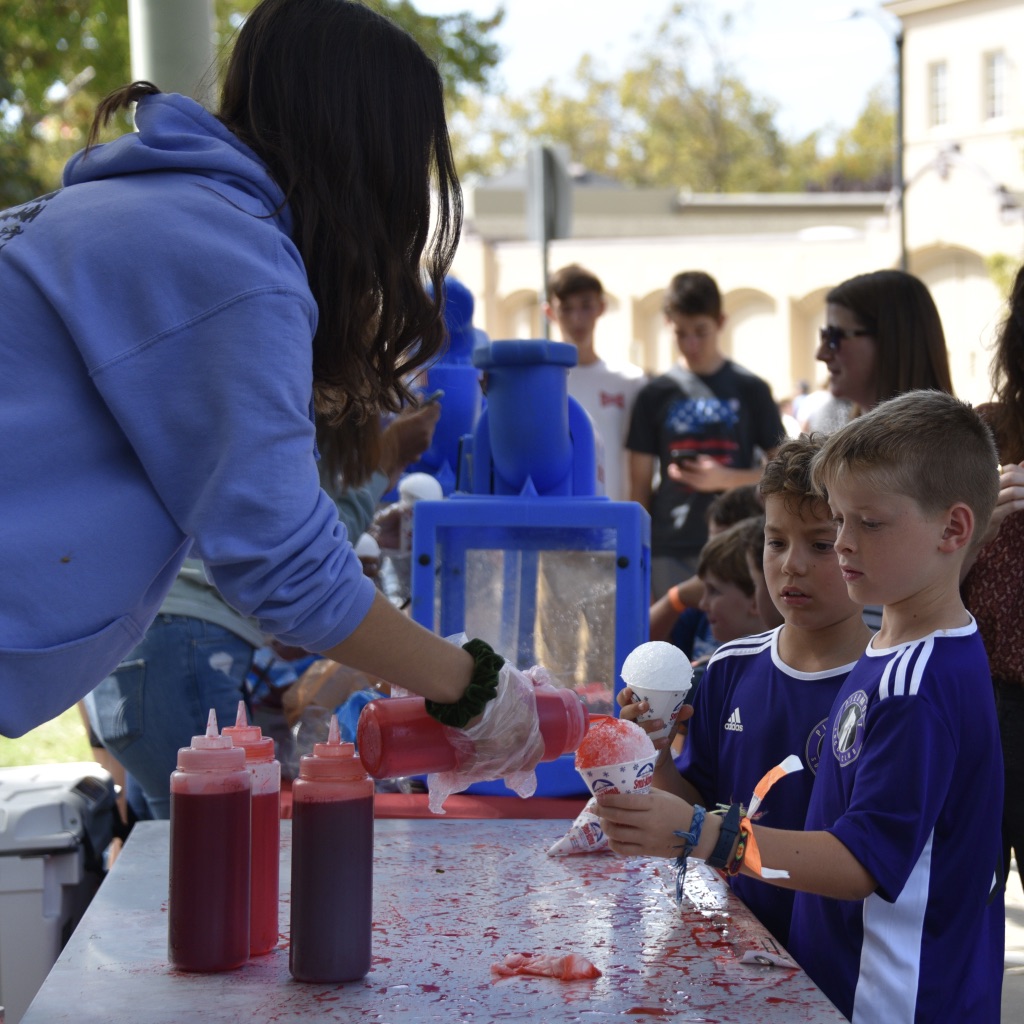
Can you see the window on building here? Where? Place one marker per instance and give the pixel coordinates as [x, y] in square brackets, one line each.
[938, 108]
[995, 85]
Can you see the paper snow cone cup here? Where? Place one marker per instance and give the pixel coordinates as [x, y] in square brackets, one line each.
[664, 704]
[585, 834]
[632, 777]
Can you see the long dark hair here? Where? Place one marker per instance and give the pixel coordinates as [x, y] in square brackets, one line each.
[1007, 372]
[900, 313]
[347, 112]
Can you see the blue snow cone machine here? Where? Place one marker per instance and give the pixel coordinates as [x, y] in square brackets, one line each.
[523, 552]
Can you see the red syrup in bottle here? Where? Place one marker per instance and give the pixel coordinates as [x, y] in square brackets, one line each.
[396, 737]
[266, 831]
[208, 897]
[332, 865]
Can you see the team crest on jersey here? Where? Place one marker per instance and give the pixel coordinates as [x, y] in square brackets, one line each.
[815, 741]
[848, 731]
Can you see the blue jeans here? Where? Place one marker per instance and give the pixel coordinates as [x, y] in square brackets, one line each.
[160, 696]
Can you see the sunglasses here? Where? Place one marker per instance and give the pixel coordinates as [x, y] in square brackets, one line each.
[832, 336]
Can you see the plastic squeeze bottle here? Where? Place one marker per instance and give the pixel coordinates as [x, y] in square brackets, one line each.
[396, 737]
[332, 864]
[208, 904]
[266, 830]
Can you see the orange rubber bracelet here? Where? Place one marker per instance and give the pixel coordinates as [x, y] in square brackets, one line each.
[675, 600]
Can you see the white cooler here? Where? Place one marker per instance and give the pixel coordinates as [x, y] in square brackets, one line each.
[56, 821]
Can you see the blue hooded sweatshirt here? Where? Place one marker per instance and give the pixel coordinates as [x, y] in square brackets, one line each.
[156, 332]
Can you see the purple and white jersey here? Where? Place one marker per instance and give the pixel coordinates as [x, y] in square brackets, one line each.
[911, 782]
[751, 711]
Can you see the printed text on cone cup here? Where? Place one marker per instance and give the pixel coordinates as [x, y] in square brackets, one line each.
[629, 777]
[664, 704]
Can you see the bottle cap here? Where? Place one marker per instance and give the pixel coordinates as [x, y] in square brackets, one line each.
[333, 760]
[211, 752]
[250, 738]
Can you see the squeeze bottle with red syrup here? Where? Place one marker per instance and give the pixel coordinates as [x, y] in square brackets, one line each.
[396, 737]
[208, 903]
[265, 861]
[332, 865]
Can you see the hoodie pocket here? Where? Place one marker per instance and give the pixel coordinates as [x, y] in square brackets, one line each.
[37, 685]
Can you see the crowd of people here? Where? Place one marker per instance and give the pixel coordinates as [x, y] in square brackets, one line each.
[197, 434]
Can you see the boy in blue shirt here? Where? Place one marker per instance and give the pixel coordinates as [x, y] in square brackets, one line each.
[898, 915]
[769, 695]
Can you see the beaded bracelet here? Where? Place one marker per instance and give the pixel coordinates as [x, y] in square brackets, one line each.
[690, 840]
[483, 687]
[678, 604]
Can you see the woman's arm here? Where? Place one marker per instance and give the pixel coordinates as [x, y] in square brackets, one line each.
[1010, 500]
[388, 644]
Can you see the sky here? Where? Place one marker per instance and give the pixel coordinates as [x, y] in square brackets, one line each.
[811, 56]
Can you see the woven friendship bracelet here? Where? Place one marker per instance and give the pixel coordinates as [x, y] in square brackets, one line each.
[690, 840]
[483, 687]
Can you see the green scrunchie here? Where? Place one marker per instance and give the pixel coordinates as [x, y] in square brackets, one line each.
[483, 687]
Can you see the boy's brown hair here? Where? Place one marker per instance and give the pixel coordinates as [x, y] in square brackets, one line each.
[732, 505]
[725, 555]
[788, 474]
[924, 445]
[693, 293]
[573, 280]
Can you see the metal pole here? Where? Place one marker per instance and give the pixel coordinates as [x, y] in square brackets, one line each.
[172, 45]
[899, 183]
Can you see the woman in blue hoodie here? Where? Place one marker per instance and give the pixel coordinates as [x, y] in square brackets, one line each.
[169, 321]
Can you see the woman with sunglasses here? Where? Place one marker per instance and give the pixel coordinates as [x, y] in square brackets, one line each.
[883, 336]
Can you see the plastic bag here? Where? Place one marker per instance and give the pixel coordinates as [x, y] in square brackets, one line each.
[505, 744]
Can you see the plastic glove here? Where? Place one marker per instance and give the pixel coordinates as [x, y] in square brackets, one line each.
[505, 743]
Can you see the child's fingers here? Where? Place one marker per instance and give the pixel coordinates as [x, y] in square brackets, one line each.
[624, 697]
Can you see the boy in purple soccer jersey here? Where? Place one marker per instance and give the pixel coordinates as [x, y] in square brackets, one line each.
[898, 914]
[769, 695]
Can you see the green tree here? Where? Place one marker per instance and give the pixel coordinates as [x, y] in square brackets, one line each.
[678, 116]
[864, 155]
[59, 58]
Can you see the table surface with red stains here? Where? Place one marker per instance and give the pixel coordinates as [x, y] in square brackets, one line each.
[451, 898]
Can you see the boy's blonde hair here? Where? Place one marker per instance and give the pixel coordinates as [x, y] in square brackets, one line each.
[725, 555]
[924, 445]
[788, 474]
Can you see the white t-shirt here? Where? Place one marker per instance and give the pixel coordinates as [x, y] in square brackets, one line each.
[607, 392]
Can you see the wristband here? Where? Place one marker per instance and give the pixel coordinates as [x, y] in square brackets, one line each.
[690, 840]
[483, 687]
[741, 851]
[723, 848]
[675, 600]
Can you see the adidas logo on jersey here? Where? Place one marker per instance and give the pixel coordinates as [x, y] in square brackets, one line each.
[734, 724]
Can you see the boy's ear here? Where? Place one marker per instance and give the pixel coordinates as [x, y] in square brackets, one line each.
[958, 529]
[548, 311]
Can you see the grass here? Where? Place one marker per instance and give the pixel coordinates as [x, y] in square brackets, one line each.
[60, 740]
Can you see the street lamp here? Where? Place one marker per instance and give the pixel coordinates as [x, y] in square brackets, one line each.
[899, 188]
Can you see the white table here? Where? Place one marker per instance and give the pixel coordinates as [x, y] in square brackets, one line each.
[451, 898]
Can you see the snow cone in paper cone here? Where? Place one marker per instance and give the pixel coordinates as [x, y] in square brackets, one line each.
[616, 756]
[660, 674]
[585, 834]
